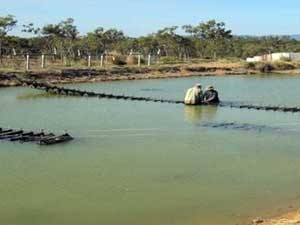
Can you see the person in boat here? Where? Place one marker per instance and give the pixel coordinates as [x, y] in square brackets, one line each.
[194, 95]
[211, 96]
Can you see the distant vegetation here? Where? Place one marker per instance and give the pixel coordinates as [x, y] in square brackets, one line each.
[207, 40]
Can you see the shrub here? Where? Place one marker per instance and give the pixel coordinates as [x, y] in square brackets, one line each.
[284, 65]
[118, 60]
[249, 65]
[132, 60]
[264, 67]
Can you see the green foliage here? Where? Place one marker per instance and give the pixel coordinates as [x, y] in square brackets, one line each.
[29, 28]
[211, 38]
[250, 65]
[102, 40]
[7, 23]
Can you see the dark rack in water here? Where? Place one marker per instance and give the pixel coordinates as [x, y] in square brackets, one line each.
[40, 138]
[74, 92]
[240, 126]
[260, 107]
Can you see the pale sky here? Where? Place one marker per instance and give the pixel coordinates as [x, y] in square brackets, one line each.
[141, 17]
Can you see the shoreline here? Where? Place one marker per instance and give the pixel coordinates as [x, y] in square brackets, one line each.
[11, 78]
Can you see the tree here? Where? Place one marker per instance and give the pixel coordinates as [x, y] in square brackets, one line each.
[214, 34]
[171, 43]
[52, 33]
[102, 40]
[61, 36]
[69, 34]
[205, 40]
[7, 23]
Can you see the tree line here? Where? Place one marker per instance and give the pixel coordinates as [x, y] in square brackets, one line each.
[209, 39]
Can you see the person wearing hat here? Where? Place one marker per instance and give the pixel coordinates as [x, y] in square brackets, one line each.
[194, 95]
[211, 96]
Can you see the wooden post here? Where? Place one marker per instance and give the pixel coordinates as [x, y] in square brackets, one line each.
[101, 60]
[43, 61]
[89, 60]
[0, 51]
[139, 60]
[149, 60]
[27, 62]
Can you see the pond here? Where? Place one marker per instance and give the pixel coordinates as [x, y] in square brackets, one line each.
[135, 163]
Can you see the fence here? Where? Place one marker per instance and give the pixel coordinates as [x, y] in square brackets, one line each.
[46, 61]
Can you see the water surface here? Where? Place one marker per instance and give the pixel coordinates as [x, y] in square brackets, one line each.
[135, 163]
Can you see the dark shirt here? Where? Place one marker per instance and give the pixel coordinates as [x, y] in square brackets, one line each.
[211, 97]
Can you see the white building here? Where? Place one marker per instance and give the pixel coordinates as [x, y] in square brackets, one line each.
[291, 56]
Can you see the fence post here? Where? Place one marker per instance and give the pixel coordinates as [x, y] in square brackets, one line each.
[149, 60]
[27, 62]
[101, 60]
[43, 61]
[89, 60]
[63, 60]
[139, 60]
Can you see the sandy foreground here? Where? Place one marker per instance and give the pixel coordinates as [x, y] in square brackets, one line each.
[291, 218]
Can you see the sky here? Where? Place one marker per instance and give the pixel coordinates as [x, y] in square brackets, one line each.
[141, 17]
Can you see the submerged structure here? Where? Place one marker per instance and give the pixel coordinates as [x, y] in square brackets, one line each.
[40, 138]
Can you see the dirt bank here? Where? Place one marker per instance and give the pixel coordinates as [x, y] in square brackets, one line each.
[79, 75]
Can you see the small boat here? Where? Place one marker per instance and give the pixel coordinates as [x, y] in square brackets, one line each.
[55, 140]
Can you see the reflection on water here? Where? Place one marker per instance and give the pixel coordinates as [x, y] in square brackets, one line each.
[196, 114]
[35, 96]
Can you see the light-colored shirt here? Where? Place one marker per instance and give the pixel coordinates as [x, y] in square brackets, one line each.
[193, 96]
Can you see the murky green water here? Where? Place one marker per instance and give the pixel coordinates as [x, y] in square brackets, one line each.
[138, 163]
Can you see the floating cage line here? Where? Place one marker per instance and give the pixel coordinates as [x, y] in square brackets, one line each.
[261, 107]
[75, 92]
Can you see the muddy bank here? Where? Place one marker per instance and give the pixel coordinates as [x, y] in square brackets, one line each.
[11, 78]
